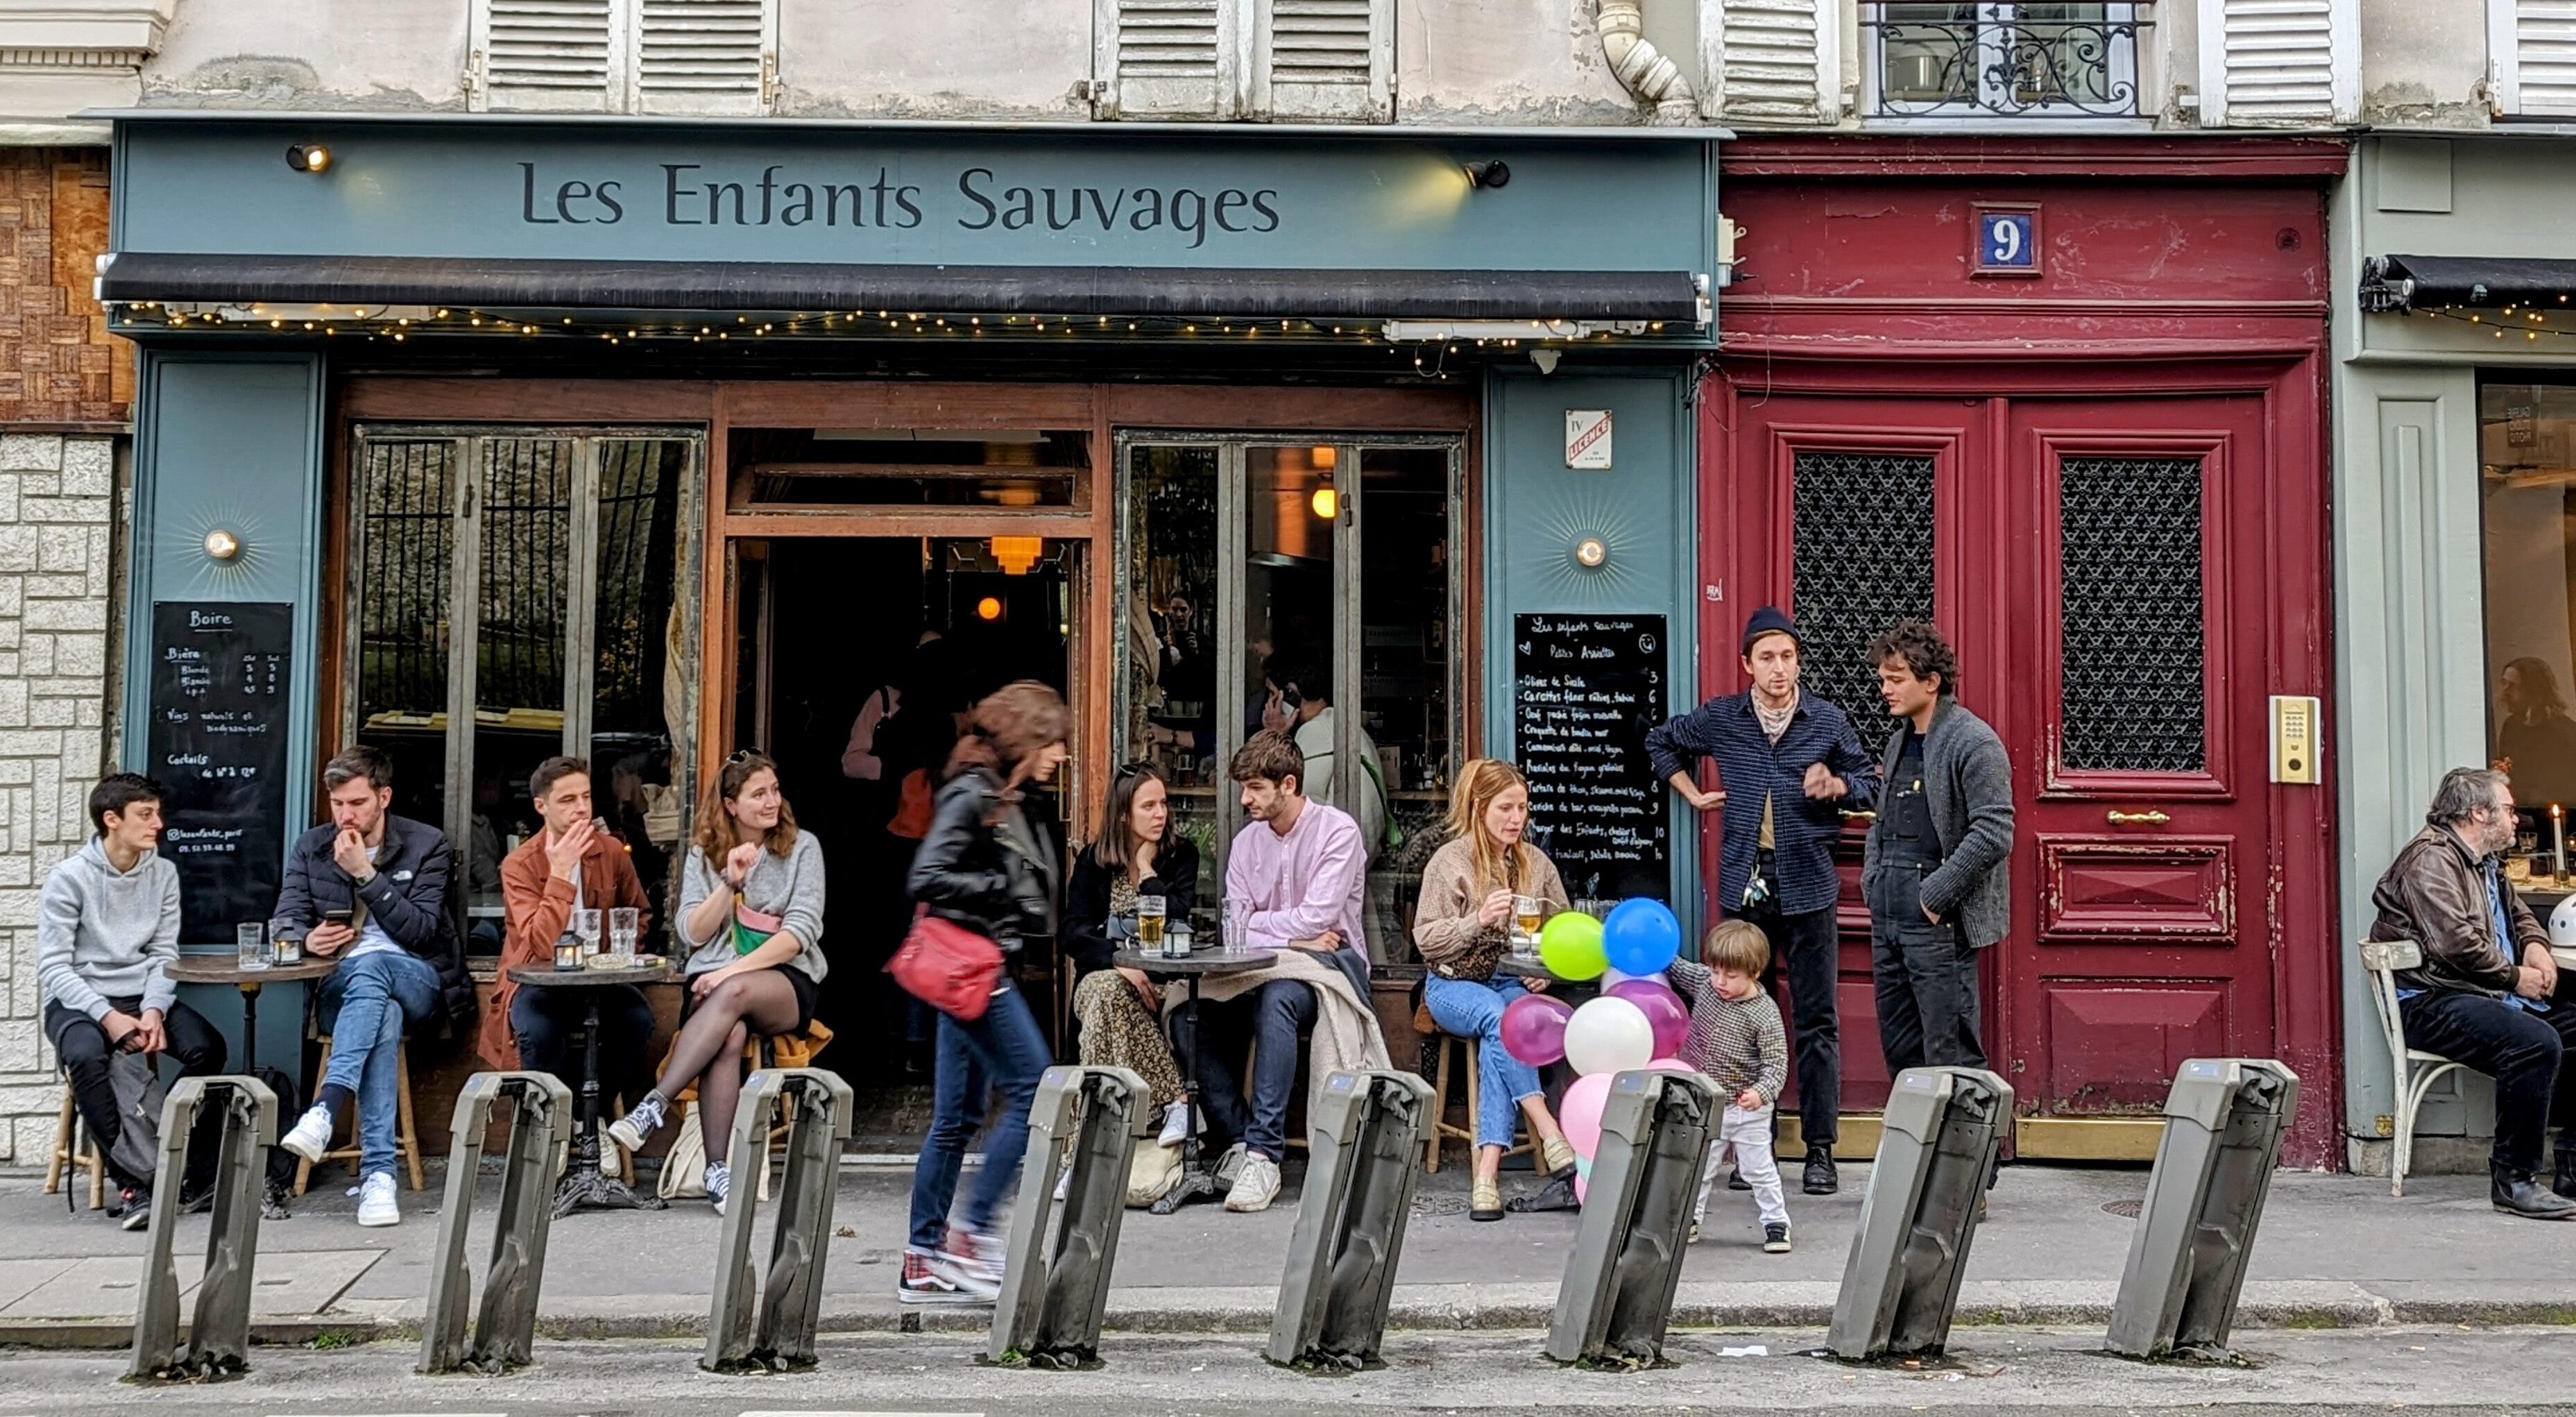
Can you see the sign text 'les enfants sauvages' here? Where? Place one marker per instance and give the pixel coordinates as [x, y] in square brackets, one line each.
[980, 200]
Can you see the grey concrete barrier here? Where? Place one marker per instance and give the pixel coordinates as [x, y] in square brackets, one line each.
[1366, 1140]
[1617, 1297]
[764, 1320]
[1050, 1306]
[1936, 1149]
[219, 1332]
[505, 1331]
[2224, 1121]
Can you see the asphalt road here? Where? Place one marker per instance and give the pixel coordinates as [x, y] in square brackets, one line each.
[2445, 1370]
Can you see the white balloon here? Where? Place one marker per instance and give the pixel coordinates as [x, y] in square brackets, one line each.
[1612, 976]
[2562, 924]
[1609, 1036]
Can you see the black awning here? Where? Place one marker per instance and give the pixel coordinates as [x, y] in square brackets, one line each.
[780, 286]
[2396, 284]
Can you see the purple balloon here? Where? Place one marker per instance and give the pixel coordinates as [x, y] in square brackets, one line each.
[1534, 1028]
[1663, 1009]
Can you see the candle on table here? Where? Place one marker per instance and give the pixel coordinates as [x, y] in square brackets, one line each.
[2558, 833]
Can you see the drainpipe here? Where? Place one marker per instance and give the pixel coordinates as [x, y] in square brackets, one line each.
[1645, 70]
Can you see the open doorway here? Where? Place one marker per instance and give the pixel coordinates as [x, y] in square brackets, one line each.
[855, 660]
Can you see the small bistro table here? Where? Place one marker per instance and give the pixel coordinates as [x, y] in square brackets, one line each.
[584, 1186]
[1196, 1179]
[226, 969]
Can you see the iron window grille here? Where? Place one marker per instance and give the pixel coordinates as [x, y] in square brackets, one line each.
[2002, 60]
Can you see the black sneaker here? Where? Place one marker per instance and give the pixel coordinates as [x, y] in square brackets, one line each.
[137, 1213]
[1822, 1179]
[1735, 1180]
[196, 1202]
[1775, 1238]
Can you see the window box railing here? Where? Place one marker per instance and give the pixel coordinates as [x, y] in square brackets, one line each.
[2002, 60]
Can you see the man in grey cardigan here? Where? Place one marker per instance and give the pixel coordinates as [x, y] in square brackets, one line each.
[1935, 871]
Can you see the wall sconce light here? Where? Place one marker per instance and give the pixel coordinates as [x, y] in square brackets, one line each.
[1591, 552]
[1488, 174]
[309, 157]
[1326, 502]
[222, 545]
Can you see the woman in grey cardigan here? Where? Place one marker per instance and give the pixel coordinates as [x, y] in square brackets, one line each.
[751, 910]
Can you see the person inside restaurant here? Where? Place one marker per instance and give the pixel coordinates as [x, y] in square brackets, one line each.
[573, 864]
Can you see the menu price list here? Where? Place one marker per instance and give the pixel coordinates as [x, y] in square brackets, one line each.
[217, 740]
[1586, 690]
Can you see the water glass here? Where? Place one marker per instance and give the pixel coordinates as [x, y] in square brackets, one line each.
[1238, 928]
[624, 923]
[250, 942]
[585, 923]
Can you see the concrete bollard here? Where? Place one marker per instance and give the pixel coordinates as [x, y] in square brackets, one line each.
[1050, 1308]
[1367, 1133]
[762, 1321]
[2224, 1121]
[1617, 1297]
[505, 1333]
[219, 1333]
[1937, 1145]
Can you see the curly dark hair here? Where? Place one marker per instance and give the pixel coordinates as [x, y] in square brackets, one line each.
[1921, 645]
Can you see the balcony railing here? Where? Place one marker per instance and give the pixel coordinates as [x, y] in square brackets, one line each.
[2003, 60]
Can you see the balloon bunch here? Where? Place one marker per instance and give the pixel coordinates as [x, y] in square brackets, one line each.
[1638, 1022]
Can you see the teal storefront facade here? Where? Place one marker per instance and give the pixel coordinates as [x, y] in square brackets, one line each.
[648, 442]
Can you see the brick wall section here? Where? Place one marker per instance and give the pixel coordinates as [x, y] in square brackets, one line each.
[58, 364]
[58, 500]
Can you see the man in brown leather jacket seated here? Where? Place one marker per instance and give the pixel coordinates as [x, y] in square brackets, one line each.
[2482, 996]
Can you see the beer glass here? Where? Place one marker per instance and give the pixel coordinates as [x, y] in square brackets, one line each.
[1149, 922]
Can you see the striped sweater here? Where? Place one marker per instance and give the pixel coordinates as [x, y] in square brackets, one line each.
[1738, 1043]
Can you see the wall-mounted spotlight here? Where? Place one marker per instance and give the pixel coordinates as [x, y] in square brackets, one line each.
[1591, 552]
[222, 545]
[309, 157]
[1488, 174]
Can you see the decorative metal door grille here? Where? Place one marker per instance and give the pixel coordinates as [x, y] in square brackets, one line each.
[2129, 621]
[1861, 559]
[407, 504]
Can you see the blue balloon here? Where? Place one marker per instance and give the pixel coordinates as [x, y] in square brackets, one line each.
[1641, 936]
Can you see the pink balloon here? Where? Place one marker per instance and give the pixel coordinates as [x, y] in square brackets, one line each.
[1670, 1065]
[1663, 1009]
[1580, 1117]
[1534, 1028]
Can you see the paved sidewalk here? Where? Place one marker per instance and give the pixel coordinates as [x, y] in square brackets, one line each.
[2334, 1251]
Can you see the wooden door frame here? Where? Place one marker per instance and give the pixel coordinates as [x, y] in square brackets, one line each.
[2279, 361]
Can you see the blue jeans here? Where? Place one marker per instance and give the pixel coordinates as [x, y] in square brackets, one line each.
[1272, 1016]
[1470, 1009]
[1002, 1053]
[367, 1004]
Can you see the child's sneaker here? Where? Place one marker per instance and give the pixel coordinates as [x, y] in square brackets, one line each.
[1775, 1238]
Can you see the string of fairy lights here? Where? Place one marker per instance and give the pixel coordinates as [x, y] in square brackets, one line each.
[2529, 322]
[398, 324]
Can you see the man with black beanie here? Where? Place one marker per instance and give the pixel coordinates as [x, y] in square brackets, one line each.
[1788, 768]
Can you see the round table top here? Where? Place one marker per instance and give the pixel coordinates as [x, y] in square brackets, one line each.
[550, 977]
[226, 969]
[1196, 962]
[1526, 966]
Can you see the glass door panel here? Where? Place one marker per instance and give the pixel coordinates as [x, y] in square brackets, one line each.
[405, 502]
[1407, 674]
[520, 594]
[639, 700]
[1172, 711]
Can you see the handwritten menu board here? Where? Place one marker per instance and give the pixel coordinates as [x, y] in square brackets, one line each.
[1587, 687]
[217, 741]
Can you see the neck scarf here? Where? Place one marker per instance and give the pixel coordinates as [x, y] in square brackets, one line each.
[1775, 722]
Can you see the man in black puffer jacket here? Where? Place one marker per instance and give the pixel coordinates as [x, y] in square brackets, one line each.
[370, 889]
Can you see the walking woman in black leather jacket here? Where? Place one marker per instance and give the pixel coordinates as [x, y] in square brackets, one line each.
[986, 866]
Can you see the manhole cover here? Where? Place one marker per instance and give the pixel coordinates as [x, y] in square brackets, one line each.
[2126, 1210]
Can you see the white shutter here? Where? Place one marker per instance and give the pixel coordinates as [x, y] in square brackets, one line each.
[706, 56]
[1327, 59]
[1166, 58]
[1770, 61]
[2532, 47]
[556, 56]
[2279, 62]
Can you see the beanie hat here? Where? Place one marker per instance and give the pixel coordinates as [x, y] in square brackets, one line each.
[1769, 620]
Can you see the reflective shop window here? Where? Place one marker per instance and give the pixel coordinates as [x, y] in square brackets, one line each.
[2527, 497]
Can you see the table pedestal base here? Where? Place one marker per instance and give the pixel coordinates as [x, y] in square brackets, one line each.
[1195, 1184]
[589, 1188]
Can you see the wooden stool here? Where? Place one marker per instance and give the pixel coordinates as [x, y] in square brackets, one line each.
[406, 1143]
[1441, 1130]
[75, 1150]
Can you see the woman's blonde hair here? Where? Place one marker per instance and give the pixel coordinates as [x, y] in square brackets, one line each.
[1479, 783]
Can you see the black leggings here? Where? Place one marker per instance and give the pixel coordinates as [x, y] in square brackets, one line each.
[82, 1044]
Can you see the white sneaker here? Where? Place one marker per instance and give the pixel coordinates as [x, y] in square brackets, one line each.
[719, 1185]
[376, 1204]
[1256, 1186]
[1064, 1183]
[1176, 1124]
[311, 1134]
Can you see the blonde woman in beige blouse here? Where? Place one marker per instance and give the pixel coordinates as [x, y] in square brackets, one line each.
[1462, 926]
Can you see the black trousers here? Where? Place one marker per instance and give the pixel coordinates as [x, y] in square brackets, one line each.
[2527, 1054]
[82, 1045]
[1805, 947]
[1928, 995]
[547, 1021]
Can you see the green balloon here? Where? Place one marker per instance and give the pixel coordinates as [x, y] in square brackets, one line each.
[1571, 947]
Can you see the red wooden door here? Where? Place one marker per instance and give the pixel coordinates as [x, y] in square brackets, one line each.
[2100, 566]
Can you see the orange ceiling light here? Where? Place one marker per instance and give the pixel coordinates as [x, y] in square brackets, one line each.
[1016, 554]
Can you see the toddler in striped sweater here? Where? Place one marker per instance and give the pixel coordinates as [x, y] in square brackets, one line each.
[1737, 1040]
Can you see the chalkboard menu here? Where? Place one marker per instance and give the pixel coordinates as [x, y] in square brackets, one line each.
[217, 742]
[1587, 687]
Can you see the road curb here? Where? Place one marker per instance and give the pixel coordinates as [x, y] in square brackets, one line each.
[1416, 1309]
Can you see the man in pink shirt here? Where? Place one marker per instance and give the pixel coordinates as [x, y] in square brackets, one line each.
[1298, 872]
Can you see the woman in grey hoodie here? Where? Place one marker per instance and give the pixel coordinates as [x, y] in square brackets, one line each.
[751, 909]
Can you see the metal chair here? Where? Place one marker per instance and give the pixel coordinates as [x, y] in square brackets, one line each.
[2416, 1069]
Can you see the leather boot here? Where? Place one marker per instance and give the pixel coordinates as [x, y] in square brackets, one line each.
[2517, 1193]
[1821, 1178]
[2565, 1181]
